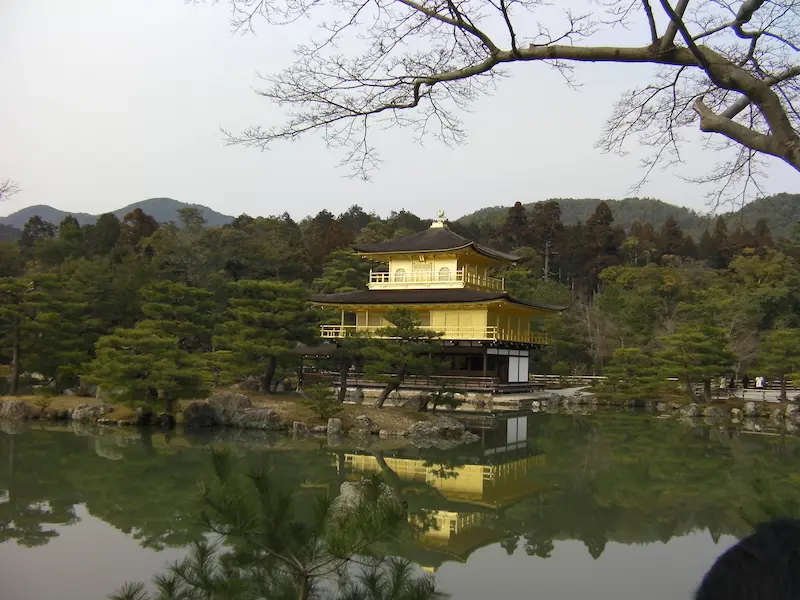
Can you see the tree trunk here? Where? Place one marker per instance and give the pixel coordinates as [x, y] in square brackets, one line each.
[169, 405]
[304, 591]
[15, 366]
[687, 384]
[343, 369]
[269, 375]
[391, 387]
[707, 391]
[783, 387]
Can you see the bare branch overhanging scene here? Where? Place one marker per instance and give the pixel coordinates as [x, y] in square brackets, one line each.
[729, 69]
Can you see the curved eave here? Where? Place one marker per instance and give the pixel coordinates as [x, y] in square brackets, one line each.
[495, 255]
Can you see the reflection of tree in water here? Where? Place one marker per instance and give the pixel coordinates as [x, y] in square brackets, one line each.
[604, 478]
[280, 546]
[29, 502]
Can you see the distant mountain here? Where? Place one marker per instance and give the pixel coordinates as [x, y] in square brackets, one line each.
[781, 211]
[162, 210]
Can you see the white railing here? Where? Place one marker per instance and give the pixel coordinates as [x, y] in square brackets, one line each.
[436, 277]
[448, 333]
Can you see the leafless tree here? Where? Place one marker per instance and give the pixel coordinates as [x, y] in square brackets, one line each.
[729, 67]
[7, 188]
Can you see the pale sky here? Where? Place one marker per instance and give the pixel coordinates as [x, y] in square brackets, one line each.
[107, 102]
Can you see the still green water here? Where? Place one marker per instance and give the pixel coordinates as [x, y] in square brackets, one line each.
[616, 506]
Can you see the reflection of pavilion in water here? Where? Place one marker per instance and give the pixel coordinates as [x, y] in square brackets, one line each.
[462, 495]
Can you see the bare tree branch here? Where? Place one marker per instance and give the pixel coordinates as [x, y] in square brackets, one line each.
[8, 188]
[730, 68]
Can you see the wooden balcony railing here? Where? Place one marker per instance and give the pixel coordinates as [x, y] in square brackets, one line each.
[461, 276]
[449, 333]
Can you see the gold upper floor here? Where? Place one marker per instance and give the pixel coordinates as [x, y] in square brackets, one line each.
[436, 271]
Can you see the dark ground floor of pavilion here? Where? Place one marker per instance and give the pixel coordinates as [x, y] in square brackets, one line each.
[491, 366]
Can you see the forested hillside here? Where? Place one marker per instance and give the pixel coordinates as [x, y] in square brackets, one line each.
[167, 310]
[781, 211]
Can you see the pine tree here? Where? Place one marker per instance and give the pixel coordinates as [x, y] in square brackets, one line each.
[406, 351]
[180, 311]
[281, 546]
[631, 374]
[264, 321]
[696, 355]
[44, 329]
[344, 271]
[145, 364]
[779, 355]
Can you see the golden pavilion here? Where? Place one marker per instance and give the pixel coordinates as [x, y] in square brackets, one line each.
[487, 335]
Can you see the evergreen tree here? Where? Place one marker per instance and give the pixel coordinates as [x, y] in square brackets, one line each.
[34, 231]
[350, 351]
[354, 219]
[695, 355]
[102, 237]
[779, 355]
[706, 248]
[603, 241]
[545, 232]
[44, 329]
[515, 228]
[689, 248]
[145, 364]
[762, 236]
[630, 375]
[344, 271]
[721, 255]
[181, 311]
[281, 546]
[265, 320]
[405, 351]
[322, 235]
[671, 240]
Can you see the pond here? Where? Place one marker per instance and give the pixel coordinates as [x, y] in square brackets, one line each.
[609, 505]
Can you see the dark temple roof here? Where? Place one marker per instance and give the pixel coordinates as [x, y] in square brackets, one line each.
[434, 239]
[446, 296]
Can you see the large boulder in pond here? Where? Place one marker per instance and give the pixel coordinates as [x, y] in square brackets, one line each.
[365, 423]
[229, 406]
[15, 410]
[750, 408]
[88, 413]
[200, 415]
[334, 426]
[423, 429]
[449, 427]
[258, 418]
